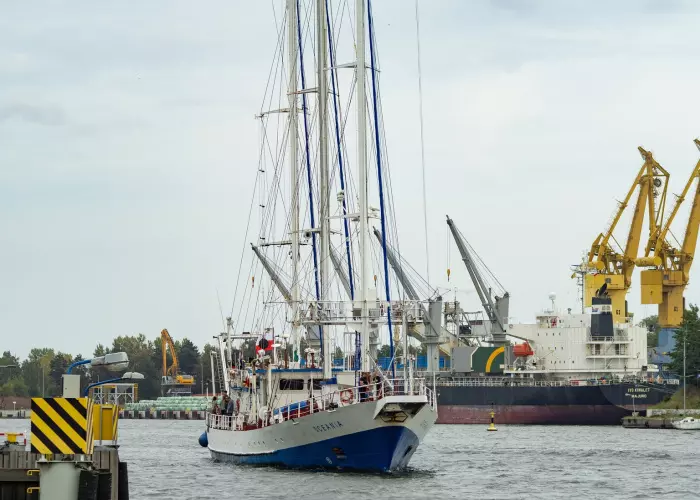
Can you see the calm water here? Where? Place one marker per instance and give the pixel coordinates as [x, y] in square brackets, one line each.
[165, 461]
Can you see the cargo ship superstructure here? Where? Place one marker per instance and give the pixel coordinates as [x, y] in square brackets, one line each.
[574, 369]
[565, 368]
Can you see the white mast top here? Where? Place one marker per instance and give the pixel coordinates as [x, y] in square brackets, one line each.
[360, 66]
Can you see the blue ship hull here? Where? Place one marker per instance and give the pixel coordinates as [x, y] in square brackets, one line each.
[381, 449]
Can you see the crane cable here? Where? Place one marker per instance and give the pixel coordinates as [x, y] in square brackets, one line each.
[422, 147]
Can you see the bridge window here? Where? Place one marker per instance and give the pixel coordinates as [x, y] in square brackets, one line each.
[291, 384]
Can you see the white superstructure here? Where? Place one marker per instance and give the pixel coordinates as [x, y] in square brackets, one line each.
[565, 346]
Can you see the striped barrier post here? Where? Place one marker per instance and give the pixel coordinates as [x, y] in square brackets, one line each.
[61, 426]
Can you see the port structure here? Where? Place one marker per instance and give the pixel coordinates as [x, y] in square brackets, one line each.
[173, 382]
[496, 307]
[608, 266]
[667, 265]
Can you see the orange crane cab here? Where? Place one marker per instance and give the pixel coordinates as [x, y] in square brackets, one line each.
[173, 382]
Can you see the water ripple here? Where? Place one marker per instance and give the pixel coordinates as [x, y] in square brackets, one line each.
[517, 462]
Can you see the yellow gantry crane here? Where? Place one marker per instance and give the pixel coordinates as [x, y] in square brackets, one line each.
[605, 264]
[664, 284]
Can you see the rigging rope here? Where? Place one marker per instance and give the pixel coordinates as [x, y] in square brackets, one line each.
[382, 213]
[422, 146]
[346, 228]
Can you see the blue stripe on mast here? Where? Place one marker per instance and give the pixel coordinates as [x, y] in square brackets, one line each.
[340, 154]
[308, 163]
[379, 176]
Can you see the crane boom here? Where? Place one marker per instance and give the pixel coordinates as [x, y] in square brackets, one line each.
[690, 239]
[498, 329]
[664, 283]
[167, 344]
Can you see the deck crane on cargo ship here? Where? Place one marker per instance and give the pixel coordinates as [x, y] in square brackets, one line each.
[606, 265]
[664, 284]
[173, 382]
[496, 307]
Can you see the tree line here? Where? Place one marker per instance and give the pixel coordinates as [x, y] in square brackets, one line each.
[40, 373]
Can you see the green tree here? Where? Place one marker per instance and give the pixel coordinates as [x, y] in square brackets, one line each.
[142, 358]
[205, 363]
[14, 387]
[188, 357]
[57, 367]
[688, 333]
[384, 352]
[13, 367]
[651, 323]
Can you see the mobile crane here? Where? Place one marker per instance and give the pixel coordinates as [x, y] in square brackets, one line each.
[668, 272]
[173, 382]
[608, 267]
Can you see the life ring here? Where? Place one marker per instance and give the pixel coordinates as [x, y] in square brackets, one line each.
[347, 396]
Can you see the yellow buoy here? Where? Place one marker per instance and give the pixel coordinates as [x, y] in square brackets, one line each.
[492, 425]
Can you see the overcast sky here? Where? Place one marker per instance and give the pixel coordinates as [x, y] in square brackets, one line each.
[127, 148]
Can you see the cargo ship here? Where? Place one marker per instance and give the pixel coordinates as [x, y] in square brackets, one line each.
[578, 369]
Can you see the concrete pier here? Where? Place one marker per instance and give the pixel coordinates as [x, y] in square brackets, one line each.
[163, 414]
[21, 472]
[637, 422]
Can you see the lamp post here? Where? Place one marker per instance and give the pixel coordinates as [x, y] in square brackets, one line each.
[114, 361]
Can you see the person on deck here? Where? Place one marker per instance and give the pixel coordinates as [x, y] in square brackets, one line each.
[363, 388]
[215, 409]
[377, 386]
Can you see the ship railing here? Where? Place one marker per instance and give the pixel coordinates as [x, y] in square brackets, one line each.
[314, 312]
[374, 391]
[222, 422]
[516, 382]
[364, 393]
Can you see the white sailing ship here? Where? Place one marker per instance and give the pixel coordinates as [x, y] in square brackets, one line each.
[315, 296]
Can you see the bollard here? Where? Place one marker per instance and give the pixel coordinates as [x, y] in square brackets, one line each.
[62, 479]
[104, 485]
[123, 489]
[87, 486]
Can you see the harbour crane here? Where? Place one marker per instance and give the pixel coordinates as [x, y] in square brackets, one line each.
[172, 381]
[496, 307]
[668, 272]
[606, 266]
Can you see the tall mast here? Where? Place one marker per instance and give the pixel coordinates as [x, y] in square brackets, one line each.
[324, 189]
[360, 66]
[293, 170]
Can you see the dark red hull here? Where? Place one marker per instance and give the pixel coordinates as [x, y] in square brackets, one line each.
[533, 415]
[603, 404]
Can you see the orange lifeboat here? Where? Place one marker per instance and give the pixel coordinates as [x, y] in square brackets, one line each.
[522, 350]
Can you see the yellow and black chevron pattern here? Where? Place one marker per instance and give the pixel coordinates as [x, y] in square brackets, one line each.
[62, 426]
